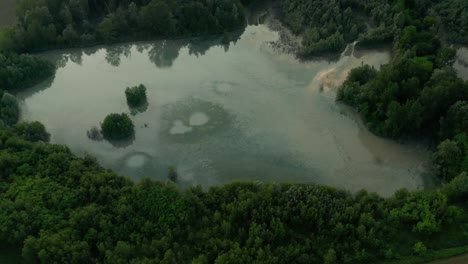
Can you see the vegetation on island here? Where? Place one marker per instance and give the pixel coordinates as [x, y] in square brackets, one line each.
[136, 95]
[117, 126]
[59, 208]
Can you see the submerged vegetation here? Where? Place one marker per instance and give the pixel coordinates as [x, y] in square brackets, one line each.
[61, 208]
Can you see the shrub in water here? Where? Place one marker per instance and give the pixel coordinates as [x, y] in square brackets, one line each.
[136, 95]
[117, 126]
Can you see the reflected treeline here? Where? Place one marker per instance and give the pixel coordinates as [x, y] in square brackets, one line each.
[162, 53]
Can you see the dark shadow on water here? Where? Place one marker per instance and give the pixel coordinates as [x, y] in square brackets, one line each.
[359, 51]
[28, 92]
[139, 109]
[123, 143]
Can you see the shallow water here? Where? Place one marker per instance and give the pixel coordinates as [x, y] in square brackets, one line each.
[221, 114]
[461, 62]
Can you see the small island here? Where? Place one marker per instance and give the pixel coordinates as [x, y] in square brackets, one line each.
[117, 126]
[136, 95]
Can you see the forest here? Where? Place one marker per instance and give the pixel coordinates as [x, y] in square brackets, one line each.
[46, 24]
[63, 209]
[60, 208]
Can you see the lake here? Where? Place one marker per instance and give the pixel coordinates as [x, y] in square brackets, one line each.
[244, 112]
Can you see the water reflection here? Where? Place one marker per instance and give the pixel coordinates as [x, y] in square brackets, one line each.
[161, 53]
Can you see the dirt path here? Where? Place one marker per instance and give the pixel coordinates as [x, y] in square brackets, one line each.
[463, 259]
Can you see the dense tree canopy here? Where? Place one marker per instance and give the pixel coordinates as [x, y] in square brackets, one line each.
[52, 23]
[454, 17]
[60, 208]
[9, 109]
[20, 71]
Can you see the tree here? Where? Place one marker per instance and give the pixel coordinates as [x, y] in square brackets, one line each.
[136, 96]
[70, 36]
[330, 257]
[419, 248]
[117, 126]
[32, 131]
[455, 121]
[447, 159]
[9, 109]
[106, 30]
[157, 18]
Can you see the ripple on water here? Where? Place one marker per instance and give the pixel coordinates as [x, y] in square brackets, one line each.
[178, 128]
[198, 119]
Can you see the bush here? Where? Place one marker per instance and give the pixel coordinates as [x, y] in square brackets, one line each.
[136, 95]
[117, 126]
[457, 189]
[419, 248]
[9, 109]
[32, 131]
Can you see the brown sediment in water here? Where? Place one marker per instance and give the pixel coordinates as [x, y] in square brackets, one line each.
[332, 77]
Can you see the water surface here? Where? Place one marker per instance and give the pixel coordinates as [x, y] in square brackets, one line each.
[461, 62]
[7, 12]
[246, 112]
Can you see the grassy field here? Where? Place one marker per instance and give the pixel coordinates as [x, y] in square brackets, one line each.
[7, 12]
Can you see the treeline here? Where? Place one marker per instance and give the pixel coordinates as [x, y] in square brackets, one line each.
[47, 24]
[64, 209]
[18, 71]
[417, 95]
[454, 17]
[327, 26]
